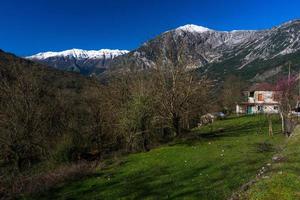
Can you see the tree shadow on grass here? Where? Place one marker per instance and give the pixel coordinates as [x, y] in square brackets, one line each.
[163, 182]
[217, 134]
[228, 128]
[166, 182]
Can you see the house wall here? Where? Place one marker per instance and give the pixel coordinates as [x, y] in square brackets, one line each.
[268, 97]
[259, 105]
[239, 109]
[265, 109]
[271, 109]
[255, 109]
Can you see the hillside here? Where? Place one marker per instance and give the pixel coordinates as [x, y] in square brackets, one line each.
[38, 107]
[257, 71]
[11, 65]
[214, 162]
[149, 100]
[52, 121]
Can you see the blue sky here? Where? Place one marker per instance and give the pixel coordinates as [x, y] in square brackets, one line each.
[32, 26]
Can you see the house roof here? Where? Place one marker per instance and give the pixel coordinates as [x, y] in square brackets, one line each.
[262, 87]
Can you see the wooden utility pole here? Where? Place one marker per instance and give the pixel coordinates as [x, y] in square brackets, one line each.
[270, 125]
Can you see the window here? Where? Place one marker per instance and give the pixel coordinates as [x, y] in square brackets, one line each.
[260, 97]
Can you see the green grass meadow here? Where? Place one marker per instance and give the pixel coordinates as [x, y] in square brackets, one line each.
[210, 163]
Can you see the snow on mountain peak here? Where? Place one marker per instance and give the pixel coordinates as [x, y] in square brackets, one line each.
[193, 28]
[80, 54]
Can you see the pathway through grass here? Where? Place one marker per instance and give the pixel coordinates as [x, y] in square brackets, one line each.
[283, 178]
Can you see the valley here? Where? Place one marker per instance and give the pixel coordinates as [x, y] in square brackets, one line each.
[149, 100]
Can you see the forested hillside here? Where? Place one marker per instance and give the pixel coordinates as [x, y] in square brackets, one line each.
[51, 118]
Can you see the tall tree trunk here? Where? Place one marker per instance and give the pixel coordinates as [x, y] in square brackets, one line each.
[176, 125]
[144, 135]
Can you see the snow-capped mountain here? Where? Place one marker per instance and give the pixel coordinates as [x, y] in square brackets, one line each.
[257, 54]
[80, 54]
[83, 61]
[210, 50]
[195, 45]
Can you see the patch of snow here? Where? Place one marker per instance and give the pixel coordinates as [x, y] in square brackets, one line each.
[193, 28]
[237, 31]
[246, 63]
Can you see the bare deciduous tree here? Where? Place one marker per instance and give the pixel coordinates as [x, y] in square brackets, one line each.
[27, 119]
[180, 94]
[286, 96]
[231, 93]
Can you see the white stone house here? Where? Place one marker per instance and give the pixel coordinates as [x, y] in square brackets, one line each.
[260, 98]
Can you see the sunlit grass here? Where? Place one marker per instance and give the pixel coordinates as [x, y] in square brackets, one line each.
[211, 163]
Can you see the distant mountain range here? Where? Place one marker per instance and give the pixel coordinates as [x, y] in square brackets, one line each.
[78, 60]
[254, 54]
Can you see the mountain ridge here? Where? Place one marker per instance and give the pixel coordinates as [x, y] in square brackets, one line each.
[86, 62]
[206, 47]
[79, 53]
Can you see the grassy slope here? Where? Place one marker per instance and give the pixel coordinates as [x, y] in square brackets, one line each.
[284, 181]
[211, 164]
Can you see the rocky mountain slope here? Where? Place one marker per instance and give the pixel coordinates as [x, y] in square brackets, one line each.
[211, 51]
[83, 61]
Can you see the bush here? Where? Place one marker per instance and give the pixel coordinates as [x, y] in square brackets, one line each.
[24, 185]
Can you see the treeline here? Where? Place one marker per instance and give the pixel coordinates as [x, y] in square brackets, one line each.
[47, 116]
